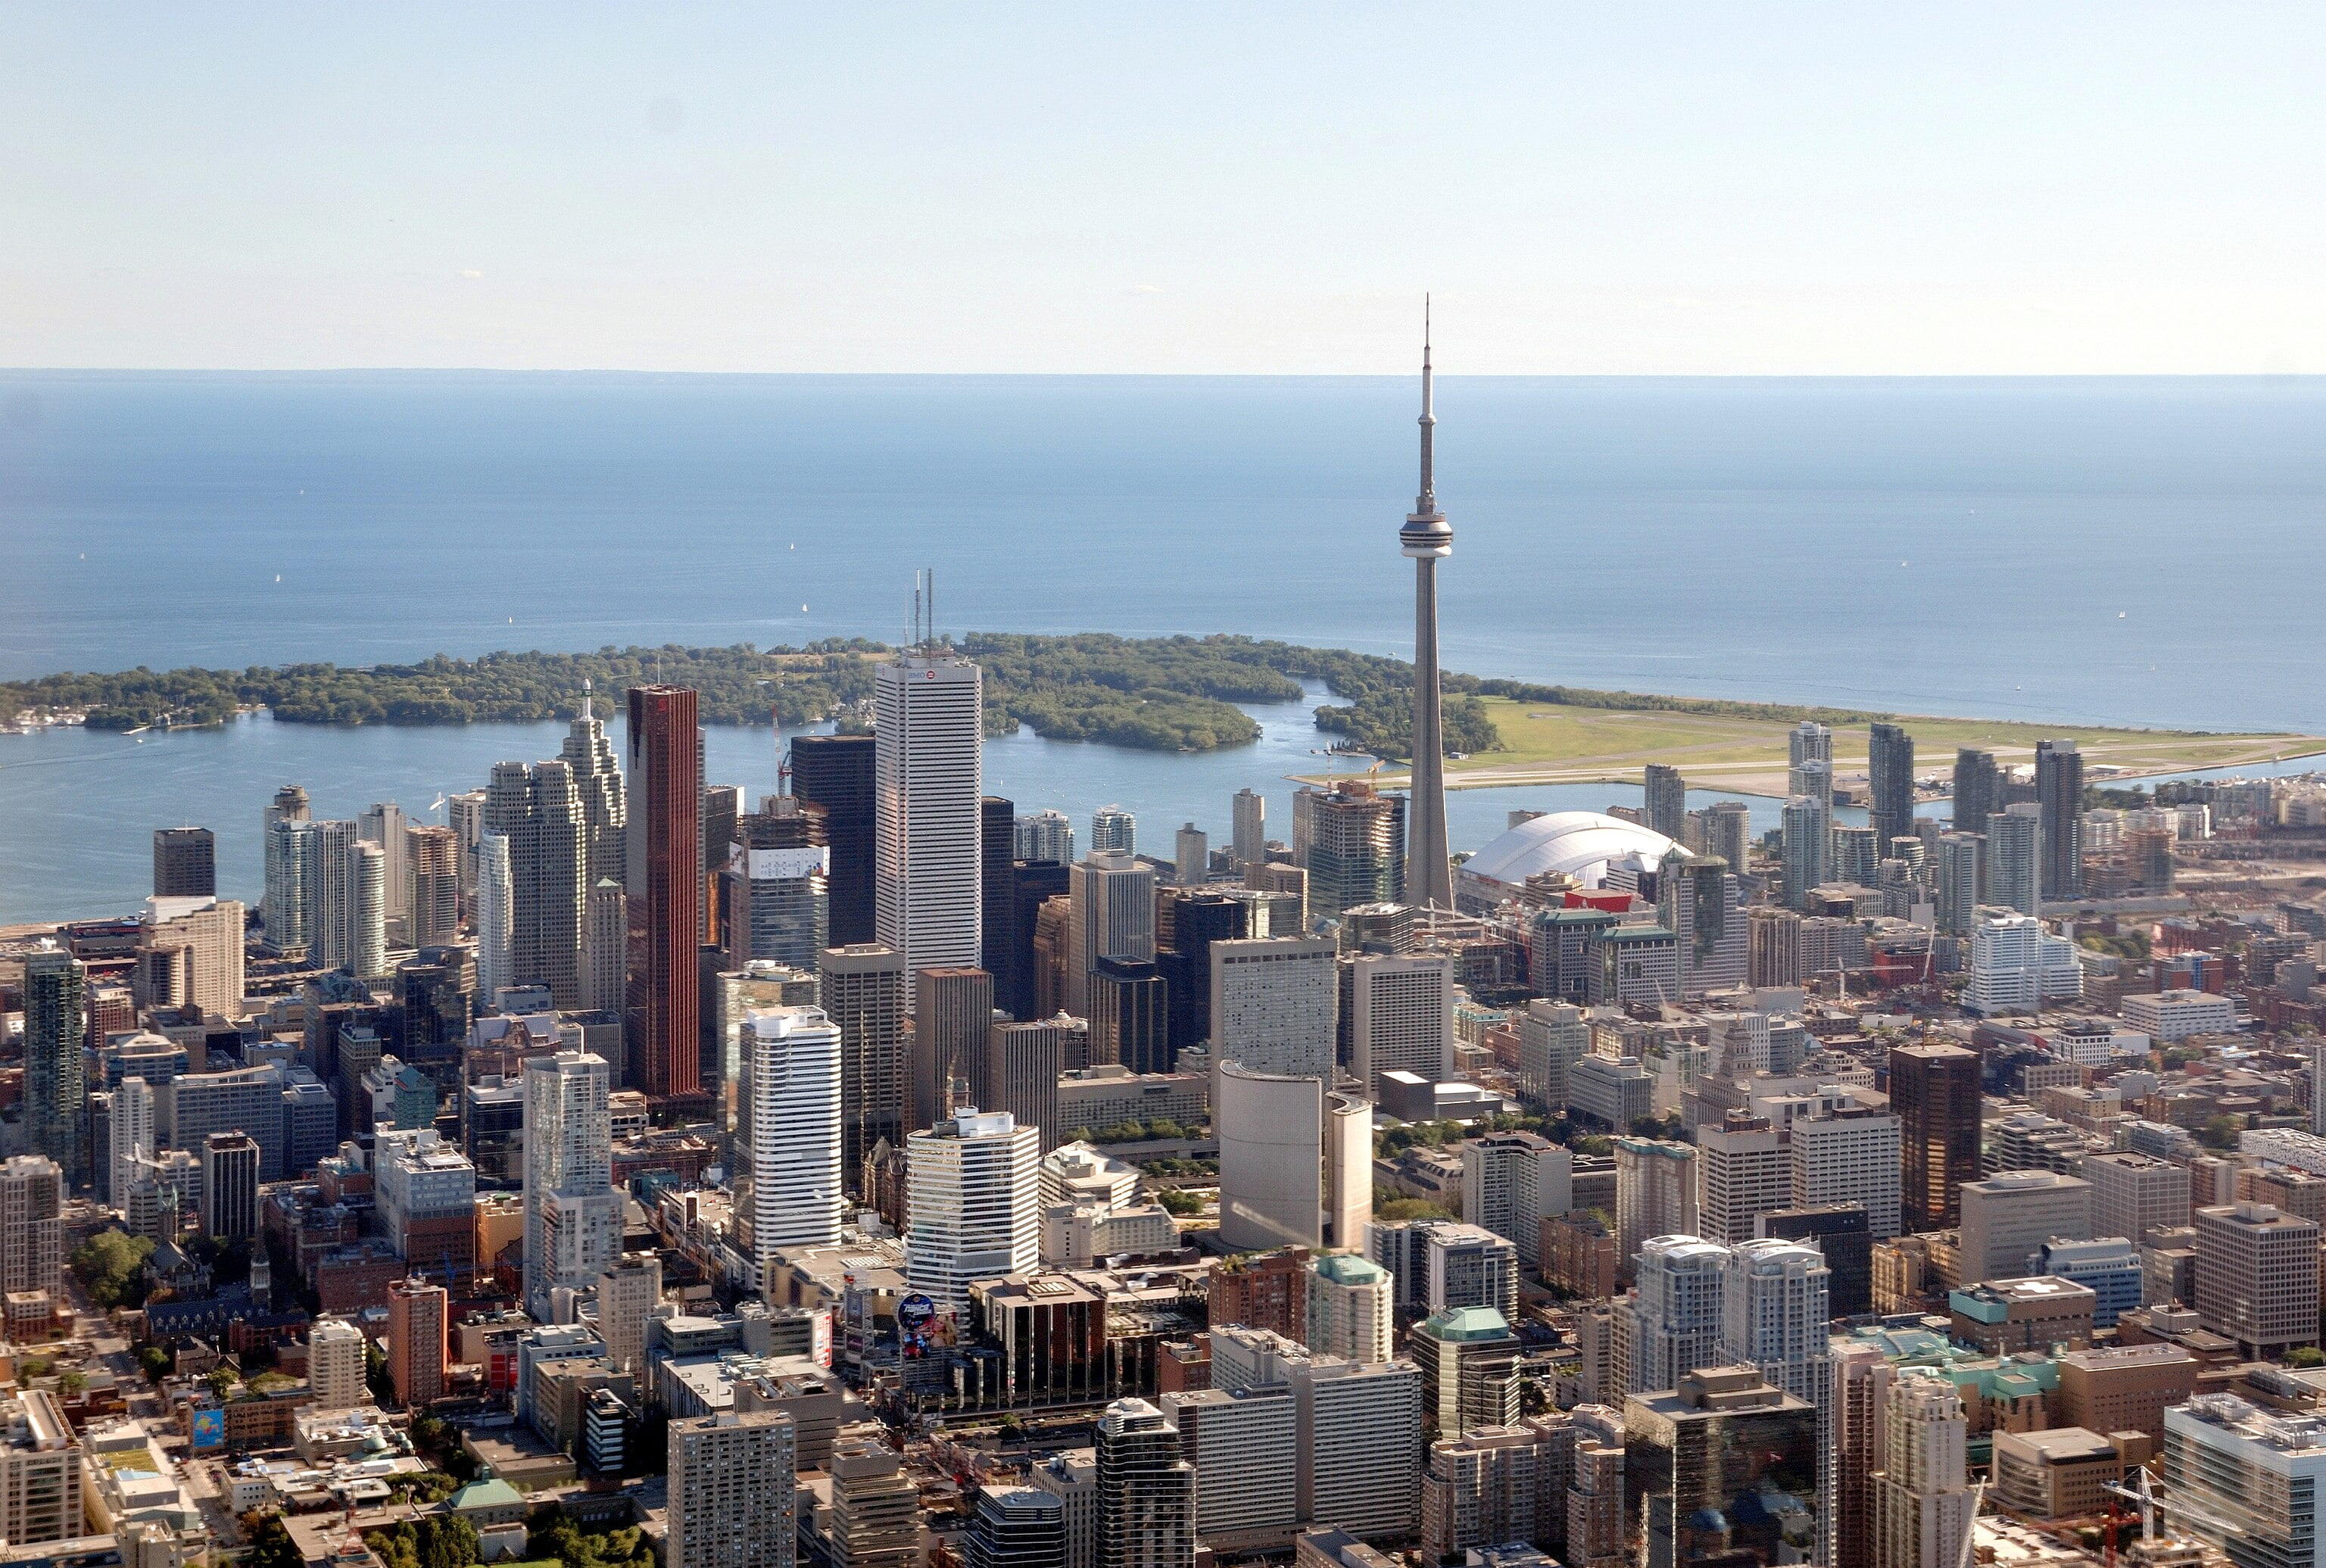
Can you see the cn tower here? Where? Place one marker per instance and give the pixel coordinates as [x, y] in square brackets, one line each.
[1427, 537]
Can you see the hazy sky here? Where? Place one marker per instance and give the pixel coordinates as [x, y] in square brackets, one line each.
[1758, 188]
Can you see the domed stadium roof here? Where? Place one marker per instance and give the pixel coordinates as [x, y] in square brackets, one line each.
[1582, 844]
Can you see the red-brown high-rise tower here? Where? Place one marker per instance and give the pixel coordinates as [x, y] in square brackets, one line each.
[663, 879]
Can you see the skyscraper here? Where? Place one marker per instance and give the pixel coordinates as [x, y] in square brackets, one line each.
[1808, 843]
[1729, 833]
[929, 730]
[1114, 830]
[1146, 1491]
[1977, 794]
[2017, 856]
[953, 1013]
[1113, 917]
[572, 1215]
[1276, 1005]
[1014, 1527]
[1350, 838]
[1698, 1501]
[597, 784]
[418, 1341]
[229, 1186]
[1891, 769]
[976, 1195]
[185, 863]
[281, 910]
[535, 808]
[733, 1482]
[496, 964]
[386, 825]
[1667, 800]
[837, 771]
[1958, 879]
[778, 887]
[862, 990]
[1017, 1067]
[997, 853]
[2060, 796]
[664, 881]
[1776, 1316]
[1047, 835]
[32, 1226]
[1427, 539]
[56, 1097]
[1249, 819]
[1191, 856]
[435, 857]
[1934, 1090]
[130, 1137]
[1401, 1019]
[1922, 1504]
[788, 1187]
[1130, 1015]
[1198, 920]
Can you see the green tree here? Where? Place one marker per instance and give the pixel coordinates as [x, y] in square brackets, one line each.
[2219, 1132]
[1176, 1201]
[74, 1382]
[376, 1376]
[271, 1545]
[2305, 1356]
[110, 1267]
[223, 1381]
[156, 1360]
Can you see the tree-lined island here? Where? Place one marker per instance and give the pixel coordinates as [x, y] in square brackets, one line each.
[1179, 693]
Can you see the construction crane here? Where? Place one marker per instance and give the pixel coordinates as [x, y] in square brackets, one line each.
[2152, 1506]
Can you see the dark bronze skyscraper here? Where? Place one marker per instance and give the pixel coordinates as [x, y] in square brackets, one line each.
[1890, 770]
[664, 881]
[1934, 1090]
[1428, 538]
[837, 772]
[185, 863]
[2059, 791]
[1976, 793]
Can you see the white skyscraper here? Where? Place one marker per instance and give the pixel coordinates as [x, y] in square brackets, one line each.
[1852, 1157]
[1114, 829]
[496, 917]
[386, 825]
[1249, 840]
[1920, 1503]
[2018, 966]
[572, 1215]
[1512, 1182]
[2014, 858]
[1775, 1316]
[1113, 898]
[1276, 1004]
[1043, 836]
[1743, 1173]
[1351, 1308]
[1191, 856]
[974, 1185]
[928, 725]
[1679, 1319]
[1401, 1017]
[788, 1190]
[131, 1135]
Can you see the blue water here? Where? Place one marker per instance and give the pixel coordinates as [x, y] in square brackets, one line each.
[1958, 547]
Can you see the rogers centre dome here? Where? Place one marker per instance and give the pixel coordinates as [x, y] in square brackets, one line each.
[1585, 845]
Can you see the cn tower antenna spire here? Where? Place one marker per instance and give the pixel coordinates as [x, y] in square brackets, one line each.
[1428, 539]
[1425, 501]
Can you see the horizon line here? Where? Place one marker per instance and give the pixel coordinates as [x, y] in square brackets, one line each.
[1176, 375]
